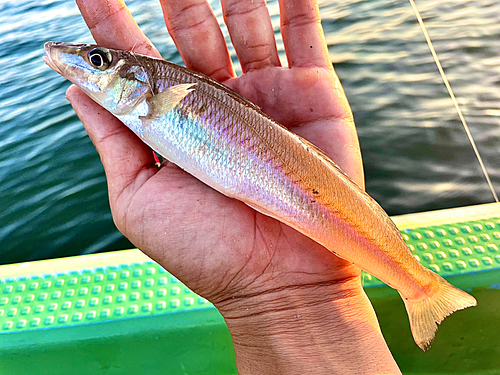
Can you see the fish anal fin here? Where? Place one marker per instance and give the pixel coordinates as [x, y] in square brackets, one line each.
[262, 210]
[427, 313]
[166, 100]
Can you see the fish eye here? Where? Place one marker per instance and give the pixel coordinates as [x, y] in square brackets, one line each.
[100, 58]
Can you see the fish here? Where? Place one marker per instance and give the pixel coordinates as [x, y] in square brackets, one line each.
[228, 143]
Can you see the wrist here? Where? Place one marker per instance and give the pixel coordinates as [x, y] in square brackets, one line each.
[321, 328]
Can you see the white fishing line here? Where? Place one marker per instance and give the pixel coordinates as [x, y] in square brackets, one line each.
[453, 98]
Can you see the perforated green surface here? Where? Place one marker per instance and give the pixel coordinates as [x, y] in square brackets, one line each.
[454, 248]
[143, 288]
[92, 295]
[124, 304]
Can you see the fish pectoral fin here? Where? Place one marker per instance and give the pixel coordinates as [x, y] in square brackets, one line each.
[165, 101]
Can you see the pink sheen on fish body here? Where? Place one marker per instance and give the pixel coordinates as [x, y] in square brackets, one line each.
[231, 145]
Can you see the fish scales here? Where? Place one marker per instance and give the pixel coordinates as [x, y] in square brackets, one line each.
[231, 140]
[227, 142]
[270, 155]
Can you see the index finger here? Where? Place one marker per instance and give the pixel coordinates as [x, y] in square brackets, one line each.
[112, 25]
[303, 35]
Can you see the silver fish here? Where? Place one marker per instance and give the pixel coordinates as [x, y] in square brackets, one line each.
[231, 145]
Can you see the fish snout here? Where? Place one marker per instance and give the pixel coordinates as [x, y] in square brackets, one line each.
[51, 58]
[56, 50]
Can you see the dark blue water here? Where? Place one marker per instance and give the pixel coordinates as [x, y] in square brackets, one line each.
[53, 199]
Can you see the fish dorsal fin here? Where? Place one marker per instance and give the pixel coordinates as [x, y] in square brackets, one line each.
[322, 155]
[328, 160]
[166, 100]
[369, 200]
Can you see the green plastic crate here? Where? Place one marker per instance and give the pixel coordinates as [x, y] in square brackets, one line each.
[121, 313]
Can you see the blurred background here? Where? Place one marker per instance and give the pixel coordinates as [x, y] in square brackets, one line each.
[53, 197]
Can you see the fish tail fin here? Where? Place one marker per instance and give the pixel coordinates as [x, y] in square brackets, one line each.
[427, 313]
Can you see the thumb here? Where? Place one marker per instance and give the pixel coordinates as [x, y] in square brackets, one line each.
[127, 161]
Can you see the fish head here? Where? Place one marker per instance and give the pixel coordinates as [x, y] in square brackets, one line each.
[114, 79]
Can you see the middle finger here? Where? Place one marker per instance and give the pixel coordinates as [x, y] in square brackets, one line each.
[251, 33]
[198, 37]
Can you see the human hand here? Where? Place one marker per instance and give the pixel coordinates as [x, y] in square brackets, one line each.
[253, 268]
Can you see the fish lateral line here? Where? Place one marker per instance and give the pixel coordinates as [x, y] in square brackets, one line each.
[343, 219]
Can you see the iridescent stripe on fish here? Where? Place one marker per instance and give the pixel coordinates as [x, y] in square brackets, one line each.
[228, 143]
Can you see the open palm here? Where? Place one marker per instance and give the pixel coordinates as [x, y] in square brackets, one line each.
[291, 306]
[219, 247]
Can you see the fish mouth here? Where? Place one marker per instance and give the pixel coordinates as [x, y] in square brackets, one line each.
[50, 54]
